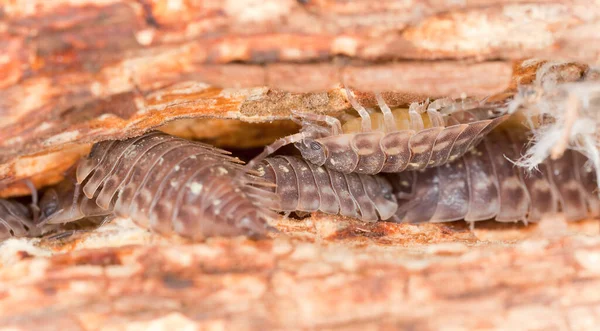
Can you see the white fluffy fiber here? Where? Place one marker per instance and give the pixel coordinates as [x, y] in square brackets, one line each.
[574, 113]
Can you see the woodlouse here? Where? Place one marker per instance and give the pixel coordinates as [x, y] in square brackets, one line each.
[401, 140]
[19, 220]
[16, 220]
[302, 186]
[484, 184]
[164, 183]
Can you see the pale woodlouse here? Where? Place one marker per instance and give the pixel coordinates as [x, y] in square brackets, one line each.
[423, 136]
[164, 183]
[485, 184]
[305, 187]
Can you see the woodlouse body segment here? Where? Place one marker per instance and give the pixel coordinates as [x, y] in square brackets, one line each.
[484, 184]
[302, 186]
[391, 141]
[166, 184]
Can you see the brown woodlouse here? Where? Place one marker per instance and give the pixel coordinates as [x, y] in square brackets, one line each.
[16, 220]
[401, 140]
[484, 185]
[19, 220]
[164, 183]
[303, 186]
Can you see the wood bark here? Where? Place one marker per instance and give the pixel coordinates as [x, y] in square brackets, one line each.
[75, 72]
[326, 273]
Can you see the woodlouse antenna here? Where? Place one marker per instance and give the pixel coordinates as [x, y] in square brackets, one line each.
[34, 192]
[272, 148]
[35, 209]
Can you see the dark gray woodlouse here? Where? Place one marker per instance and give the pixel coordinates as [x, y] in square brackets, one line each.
[401, 140]
[302, 186]
[166, 184]
[484, 185]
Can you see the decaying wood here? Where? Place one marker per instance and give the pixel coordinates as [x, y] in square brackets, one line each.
[75, 72]
[155, 42]
[72, 52]
[323, 272]
[78, 72]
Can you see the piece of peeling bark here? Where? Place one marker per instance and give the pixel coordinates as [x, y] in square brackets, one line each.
[40, 170]
[324, 272]
[131, 114]
[57, 61]
[225, 114]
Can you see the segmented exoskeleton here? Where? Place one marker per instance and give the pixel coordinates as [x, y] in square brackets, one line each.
[406, 139]
[166, 184]
[484, 184]
[302, 186]
[19, 220]
[16, 220]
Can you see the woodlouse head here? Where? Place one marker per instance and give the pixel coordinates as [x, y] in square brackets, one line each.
[57, 205]
[49, 204]
[313, 151]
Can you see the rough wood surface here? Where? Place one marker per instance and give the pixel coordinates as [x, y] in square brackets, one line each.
[322, 272]
[74, 72]
[70, 53]
[102, 47]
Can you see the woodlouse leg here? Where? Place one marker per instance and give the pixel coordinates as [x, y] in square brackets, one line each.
[448, 106]
[436, 118]
[416, 121]
[364, 114]
[76, 196]
[440, 104]
[333, 122]
[433, 112]
[389, 120]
